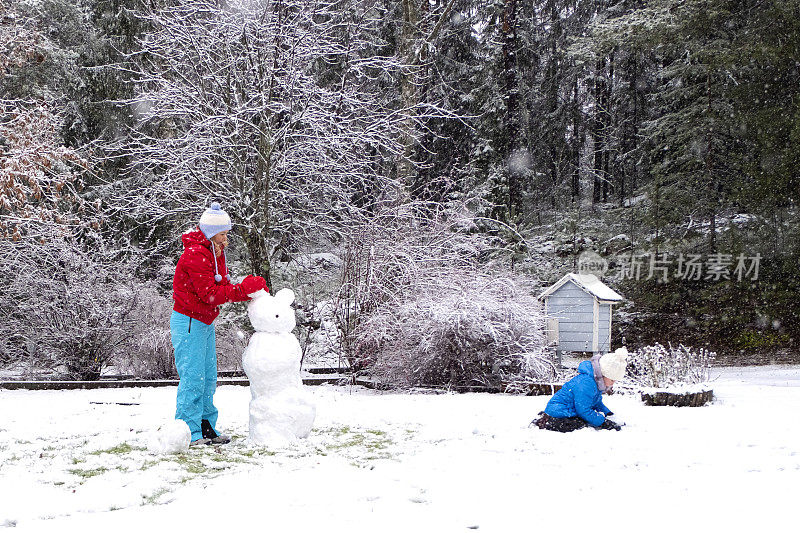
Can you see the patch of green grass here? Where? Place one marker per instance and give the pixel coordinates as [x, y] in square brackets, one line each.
[192, 464]
[120, 449]
[346, 439]
[229, 459]
[196, 468]
[264, 452]
[147, 465]
[153, 498]
[352, 441]
[372, 440]
[89, 473]
[257, 452]
[78, 460]
[334, 431]
[320, 451]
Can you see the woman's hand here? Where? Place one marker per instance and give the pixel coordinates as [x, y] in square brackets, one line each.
[251, 284]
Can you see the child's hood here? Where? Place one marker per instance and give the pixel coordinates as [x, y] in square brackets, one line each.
[586, 368]
[190, 238]
[591, 369]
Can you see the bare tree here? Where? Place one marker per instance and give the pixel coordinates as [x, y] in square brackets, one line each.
[275, 108]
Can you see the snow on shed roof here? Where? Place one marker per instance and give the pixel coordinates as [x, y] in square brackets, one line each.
[589, 283]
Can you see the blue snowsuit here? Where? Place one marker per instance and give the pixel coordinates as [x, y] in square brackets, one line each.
[196, 360]
[581, 396]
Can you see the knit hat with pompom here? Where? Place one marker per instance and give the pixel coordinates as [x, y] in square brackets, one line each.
[214, 220]
[613, 364]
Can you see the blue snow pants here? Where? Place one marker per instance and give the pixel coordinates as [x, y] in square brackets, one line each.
[195, 347]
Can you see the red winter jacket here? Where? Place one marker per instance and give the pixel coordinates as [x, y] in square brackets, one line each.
[194, 290]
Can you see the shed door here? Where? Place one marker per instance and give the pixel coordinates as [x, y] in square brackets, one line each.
[552, 331]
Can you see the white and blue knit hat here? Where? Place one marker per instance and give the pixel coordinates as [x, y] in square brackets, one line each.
[214, 220]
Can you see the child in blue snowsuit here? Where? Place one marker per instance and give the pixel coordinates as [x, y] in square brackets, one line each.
[579, 403]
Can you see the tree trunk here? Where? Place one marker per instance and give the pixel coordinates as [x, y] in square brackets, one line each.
[710, 178]
[576, 145]
[258, 235]
[509, 31]
[608, 184]
[409, 87]
[597, 132]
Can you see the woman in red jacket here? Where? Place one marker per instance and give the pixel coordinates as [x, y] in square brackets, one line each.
[201, 284]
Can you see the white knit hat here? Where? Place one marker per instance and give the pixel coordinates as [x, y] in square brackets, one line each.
[613, 364]
[214, 220]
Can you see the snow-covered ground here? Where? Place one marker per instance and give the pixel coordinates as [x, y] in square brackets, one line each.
[76, 460]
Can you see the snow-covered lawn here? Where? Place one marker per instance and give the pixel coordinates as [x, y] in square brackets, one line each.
[408, 462]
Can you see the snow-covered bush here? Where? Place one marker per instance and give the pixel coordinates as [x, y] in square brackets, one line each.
[147, 352]
[232, 339]
[320, 336]
[660, 366]
[419, 307]
[463, 328]
[67, 303]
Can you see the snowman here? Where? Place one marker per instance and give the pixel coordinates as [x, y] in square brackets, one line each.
[281, 411]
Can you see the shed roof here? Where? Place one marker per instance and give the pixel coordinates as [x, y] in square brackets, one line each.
[589, 283]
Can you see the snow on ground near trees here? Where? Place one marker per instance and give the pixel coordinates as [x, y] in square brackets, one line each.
[407, 462]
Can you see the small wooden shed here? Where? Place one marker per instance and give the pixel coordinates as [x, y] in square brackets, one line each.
[578, 307]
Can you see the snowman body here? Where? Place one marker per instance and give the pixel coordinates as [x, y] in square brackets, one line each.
[281, 411]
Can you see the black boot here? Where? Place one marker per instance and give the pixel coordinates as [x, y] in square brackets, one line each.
[209, 433]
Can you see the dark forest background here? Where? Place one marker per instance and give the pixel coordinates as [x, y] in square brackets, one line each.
[663, 130]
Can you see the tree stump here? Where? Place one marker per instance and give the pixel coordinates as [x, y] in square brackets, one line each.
[678, 399]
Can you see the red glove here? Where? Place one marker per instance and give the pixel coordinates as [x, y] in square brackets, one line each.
[252, 284]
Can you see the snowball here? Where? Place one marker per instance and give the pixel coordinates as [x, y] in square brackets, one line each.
[172, 437]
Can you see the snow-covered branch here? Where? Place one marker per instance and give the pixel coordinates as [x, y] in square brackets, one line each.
[276, 109]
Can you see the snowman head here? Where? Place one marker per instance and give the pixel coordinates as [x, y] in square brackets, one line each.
[272, 314]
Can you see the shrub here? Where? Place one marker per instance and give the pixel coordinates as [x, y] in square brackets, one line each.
[421, 304]
[464, 329]
[67, 304]
[147, 352]
[233, 333]
[660, 367]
